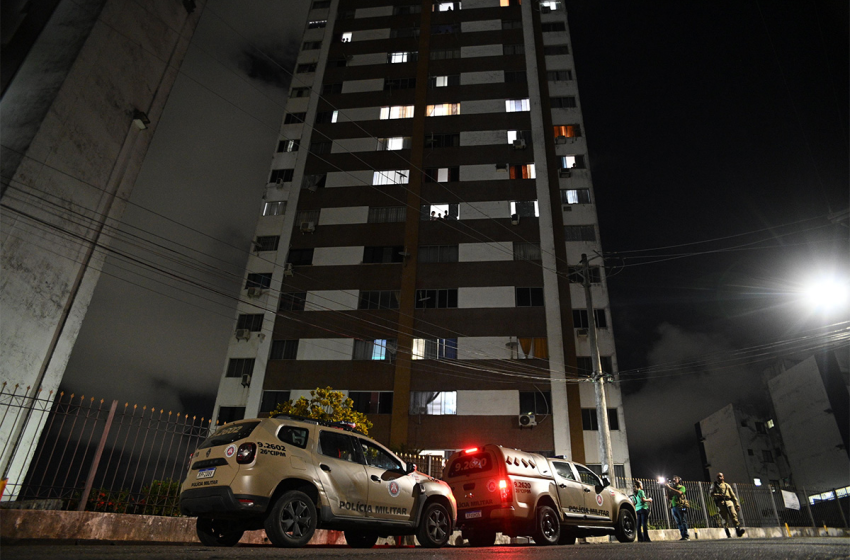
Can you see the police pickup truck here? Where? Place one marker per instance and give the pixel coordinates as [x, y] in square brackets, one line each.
[525, 494]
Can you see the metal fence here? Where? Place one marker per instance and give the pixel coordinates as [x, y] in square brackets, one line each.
[761, 506]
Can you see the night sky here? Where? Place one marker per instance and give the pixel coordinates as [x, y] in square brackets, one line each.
[718, 144]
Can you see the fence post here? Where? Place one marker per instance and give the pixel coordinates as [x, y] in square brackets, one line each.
[808, 506]
[740, 501]
[773, 503]
[704, 509]
[96, 460]
[666, 509]
[840, 509]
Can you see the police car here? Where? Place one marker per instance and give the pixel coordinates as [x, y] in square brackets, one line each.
[291, 475]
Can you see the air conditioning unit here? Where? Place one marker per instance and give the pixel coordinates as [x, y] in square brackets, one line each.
[527, 420]
[561, 140]
[519, 144]
[255, 292]
[243, 334]
[246, 379]
[287, 269]
[308, 227]
[515, 219]
[581, 333]
[564, 173]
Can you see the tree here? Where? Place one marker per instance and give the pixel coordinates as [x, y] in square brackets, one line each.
[326, 404]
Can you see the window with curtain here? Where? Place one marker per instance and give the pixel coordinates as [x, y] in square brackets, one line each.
[387, 214]
[517, 105]
[434, 349]
[526, 251]
[433, 403]
[378, 349]
[533, 348]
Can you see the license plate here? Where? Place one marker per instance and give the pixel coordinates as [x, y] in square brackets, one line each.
[473, 514]
[206, 473]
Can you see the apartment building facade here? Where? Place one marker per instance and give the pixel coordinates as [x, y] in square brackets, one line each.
[420, 237]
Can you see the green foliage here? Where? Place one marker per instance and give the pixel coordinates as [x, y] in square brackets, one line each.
[159, 498]
[326, 404]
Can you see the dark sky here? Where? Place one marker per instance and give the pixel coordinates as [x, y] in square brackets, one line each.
[704, 120]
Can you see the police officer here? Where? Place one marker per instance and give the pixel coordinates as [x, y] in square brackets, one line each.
[727, 504]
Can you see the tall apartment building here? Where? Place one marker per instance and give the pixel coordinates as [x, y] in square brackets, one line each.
[428, 205]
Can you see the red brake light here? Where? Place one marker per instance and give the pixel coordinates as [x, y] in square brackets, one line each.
[246, 453]
[470, 450]
[503, 484]
[504, 490]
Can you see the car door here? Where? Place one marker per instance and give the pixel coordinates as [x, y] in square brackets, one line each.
[392, 493]
[342, 473]
[570, 491]
[598, 505]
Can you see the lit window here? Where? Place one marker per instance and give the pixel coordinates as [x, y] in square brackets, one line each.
[440, 212]
[274, 208]
[427, 402]
[394, 143]
[440, 81]
[346, 37]
[397, 112]
[514, 135]
[399, 57]
[442, 110]
[567, 131]
[397, 177]
[317, 24]
[446, 6]
[506, 3]
[379, 349]
[529, 348]
[335, 116]
[572, 162]
[516, 105]
[528, 209]
[575, 196]
[522, 171]
[434, 349]
[288, 145]
[553, 5]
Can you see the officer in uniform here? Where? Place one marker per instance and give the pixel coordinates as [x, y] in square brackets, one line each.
[727, 504]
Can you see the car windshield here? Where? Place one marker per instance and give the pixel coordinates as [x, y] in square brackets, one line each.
[469, 464]
[229, 433]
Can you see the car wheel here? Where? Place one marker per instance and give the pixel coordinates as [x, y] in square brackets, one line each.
[547, 529]
[625, 531]
[566, 537]
[435, 527]
[482, 537]
[292, 520]
[360, 540]
[218, 532]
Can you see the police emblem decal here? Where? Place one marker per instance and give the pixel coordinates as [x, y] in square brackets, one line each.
[229, 452]
[393, 489]
[599, 499]
[491, 486]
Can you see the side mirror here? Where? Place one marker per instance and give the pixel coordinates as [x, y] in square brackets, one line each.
[606, 482]
[410, 468]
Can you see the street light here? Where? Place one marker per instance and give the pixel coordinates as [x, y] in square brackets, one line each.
[827, 293]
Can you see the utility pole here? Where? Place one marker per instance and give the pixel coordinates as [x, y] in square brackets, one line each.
[606, 455]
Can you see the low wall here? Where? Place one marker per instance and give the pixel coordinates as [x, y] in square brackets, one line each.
[21, 525]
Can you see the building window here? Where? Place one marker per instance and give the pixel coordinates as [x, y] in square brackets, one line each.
[442, 110]
[380, 349]
[343, 15]
[253, 322]
[309, 216]
[766, 456]
[273, 398]
[299, 92]
[402, 56]
[397, 112]
[292, 301]
[515, 78]
[305, 68]
[525, 209]
[535, 402]
[445, 28]
[443, 81]
[511, 24]
[559, 75]
[227, 414]
[394, 143]
[589, 421]
[346, 37]
[317, 24]
[261, 280]
[436, 299]
[522, 171]
[391, 177]
[508, 50]
[552, 5]
[298, 257]
[321, 147]
[237, 367]
[576, 274]
[442, 174]
[439, 212]
[506, 3]
[337, 62]
[329, 89]
[567, 131]
[387, 214]
[266, 243]
[294, 118]
[378, 299]
[314, 182]
[438, 253]
[575, 196]
[514, 135]
[517, 105]
[760, 428]
[581, 320]
[281, 175]
[553, 27]
[526, 251]
[320, 4]
[372, 402]
[584, 365]
[381, 255]
[284, 350]
[434, 349]
[444, 54]
[572, 162]
[579, 233]
[413, 31]
[324, 117]
[448, 140]
[568, 102]
[407, 10]
[311, 45]
[553, 50]
[434, 403]
[399, 83]
[750, 452]
[529, 297]
[274, 208]
[445, 6]
[530, 348]
[288, 145]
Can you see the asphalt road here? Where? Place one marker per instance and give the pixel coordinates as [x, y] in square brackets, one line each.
[750, 549]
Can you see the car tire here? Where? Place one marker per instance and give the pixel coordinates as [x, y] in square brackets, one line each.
[356, 539]
[292, 520]
[435, 526]
[566, 537]
[481, 537]
[626, 526]
[547, 527]
[218, 532]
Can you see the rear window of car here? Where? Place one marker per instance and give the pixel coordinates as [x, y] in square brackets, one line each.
[228, 434]
[293, 435]
[470, 464]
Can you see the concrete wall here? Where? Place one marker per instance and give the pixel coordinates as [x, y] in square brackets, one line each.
[723, 448]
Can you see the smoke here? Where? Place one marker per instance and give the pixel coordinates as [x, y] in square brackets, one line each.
[270, 63]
